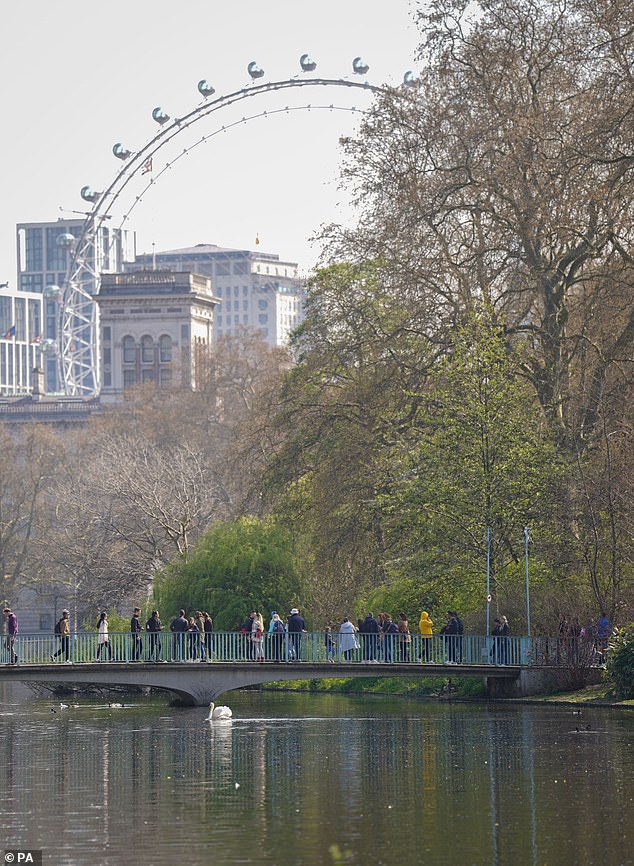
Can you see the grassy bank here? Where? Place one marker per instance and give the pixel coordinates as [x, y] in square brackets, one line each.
[600, 696]
[416, 687]
[456, 688]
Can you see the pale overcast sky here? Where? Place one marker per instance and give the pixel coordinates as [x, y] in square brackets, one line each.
[77, 76]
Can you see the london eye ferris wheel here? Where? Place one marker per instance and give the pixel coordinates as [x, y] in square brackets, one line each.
[77, 343]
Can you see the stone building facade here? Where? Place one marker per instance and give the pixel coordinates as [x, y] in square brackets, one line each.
[155, 326]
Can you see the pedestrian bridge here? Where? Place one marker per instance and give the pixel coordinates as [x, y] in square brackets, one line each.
[198, 671]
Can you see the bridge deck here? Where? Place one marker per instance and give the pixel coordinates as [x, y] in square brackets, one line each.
[200, 683]
[177, 660]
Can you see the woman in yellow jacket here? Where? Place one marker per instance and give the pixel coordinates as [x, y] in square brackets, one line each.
[426, 631]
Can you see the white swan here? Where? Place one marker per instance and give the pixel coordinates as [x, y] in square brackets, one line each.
[218, 713]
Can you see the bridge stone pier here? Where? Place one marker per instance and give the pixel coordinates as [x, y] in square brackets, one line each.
[196, 684]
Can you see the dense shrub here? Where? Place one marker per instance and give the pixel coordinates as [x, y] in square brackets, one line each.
[620, 662]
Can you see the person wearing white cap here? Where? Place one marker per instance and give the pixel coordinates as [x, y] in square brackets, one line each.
[296, 625]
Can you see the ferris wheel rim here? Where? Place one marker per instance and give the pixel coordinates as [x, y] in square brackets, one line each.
[82, 364]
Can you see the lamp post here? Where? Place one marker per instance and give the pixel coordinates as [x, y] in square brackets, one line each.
[527, 538]
[488, 576]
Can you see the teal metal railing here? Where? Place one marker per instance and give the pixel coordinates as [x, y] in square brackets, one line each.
[82, 648]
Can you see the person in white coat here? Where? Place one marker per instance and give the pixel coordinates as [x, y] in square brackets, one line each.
[257, 637]
[103, 637]
[348, 641]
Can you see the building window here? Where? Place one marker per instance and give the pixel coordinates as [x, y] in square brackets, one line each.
[107, 356]
[263, 305]
[129, 350]
[147, 376]
[165, 349]
[129, 378]
[31, 282]
[107, 334]
[147, 350]
[34, 258]
[46, 622]
[35, 319]
[55, 254]
[263, 318]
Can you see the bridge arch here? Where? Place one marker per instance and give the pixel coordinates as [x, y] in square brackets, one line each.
[197, 685]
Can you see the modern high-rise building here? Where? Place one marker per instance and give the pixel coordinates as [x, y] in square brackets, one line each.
[21, 335]
[43, 257]
[257, 291]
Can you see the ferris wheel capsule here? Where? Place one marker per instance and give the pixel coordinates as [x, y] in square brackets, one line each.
[205, 88]
[120, 151]
[307, 64]
[160, 116]
[359, 67]
[48, 346]
[254, 70]
[88, 194]
[409, 79]
[66, 241]
[52, 292]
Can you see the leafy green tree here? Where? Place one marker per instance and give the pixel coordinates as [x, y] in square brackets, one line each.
[358, 366]
[248, 564]
[477, 458]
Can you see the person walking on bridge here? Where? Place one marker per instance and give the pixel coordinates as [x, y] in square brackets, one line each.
[276, 636]
[62, 630]
[154, 626]
[257, 637]
[178, 627]
[296, 626]
[425, 626]
[12, 634]
[450, 632]
[369, 629]
[208, 629]
[103, 637]
[348, 642]
[135, 629]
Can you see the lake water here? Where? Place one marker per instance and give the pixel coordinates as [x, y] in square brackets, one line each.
[314, 779]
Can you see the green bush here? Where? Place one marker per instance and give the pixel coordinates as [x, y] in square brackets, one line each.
[247, 564]
[620, 662]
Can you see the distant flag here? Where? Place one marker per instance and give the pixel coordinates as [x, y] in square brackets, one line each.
[37, 339]
[147, 166]
[10, 332]
[257, 239]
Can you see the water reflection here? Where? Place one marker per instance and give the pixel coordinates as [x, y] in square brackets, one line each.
[390, 781]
